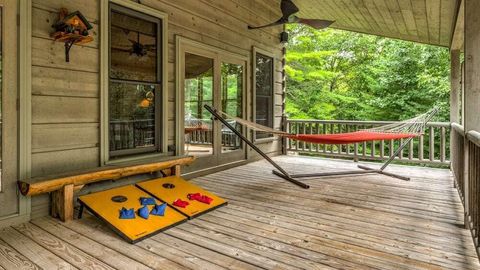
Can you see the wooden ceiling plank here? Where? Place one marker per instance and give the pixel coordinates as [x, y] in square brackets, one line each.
[420, 14]
[459, 31]
[385, 13]
[357, 8]
[377, 16]
[447, 13]
[433, 16]
[343, 21]
[397, 16]
[357, 22]
[345, 6]
[408, 18]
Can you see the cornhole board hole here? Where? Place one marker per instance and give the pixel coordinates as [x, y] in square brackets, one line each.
[106, 205]
[169, 189]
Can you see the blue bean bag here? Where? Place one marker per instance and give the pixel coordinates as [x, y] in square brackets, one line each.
[143, 212]
[147, 201]
[127, 213]
[159, 209]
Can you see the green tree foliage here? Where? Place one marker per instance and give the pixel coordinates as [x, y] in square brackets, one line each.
[335, 74]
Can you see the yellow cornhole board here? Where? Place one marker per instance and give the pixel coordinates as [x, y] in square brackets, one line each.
[171, 188]
[133, 230]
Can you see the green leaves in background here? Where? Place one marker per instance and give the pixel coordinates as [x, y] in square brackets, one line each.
[335, 74]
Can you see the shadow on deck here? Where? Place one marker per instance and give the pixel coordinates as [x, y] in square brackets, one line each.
[355, 222]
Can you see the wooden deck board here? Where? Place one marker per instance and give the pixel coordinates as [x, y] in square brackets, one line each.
[359, 222]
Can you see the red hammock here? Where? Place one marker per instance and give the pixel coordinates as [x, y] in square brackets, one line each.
[352, 137]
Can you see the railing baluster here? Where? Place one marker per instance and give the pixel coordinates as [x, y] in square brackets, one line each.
[332, 131]
[420, 147]
[310, 145]
[400, 154]
[410, 150]
[340, 130]
[431, 144]
[390, 148]
[382, 149]
[364, 146]
[442, 144]
[372, 150]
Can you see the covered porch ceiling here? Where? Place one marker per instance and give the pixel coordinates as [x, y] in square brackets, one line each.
[424, 21]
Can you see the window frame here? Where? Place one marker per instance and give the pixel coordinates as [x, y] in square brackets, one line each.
[256, 51]
[161, 96]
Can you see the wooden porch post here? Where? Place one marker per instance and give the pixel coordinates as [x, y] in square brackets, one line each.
[455, 84]
[471, 99]
[472, 65]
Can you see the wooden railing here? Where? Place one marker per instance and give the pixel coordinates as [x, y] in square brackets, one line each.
[457, 156]
[465, 156]
[128, 134]
[430, 148]
[472, 187]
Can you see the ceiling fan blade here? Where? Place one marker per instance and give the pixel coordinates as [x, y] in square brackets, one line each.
[315, 23]
[288, 8]
[279, 22]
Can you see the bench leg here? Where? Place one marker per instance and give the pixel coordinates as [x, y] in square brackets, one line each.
[176, 170]
[62, 203]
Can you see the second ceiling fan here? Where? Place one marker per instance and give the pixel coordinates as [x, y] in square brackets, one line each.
[288, 16]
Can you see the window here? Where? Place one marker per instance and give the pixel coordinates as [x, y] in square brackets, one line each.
[264, 92]
[199, 90]
[135, 82]
[232, 100]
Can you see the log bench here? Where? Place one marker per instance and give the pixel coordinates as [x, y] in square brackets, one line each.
[63, 186]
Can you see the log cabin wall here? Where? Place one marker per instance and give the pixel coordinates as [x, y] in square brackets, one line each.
[66, 96]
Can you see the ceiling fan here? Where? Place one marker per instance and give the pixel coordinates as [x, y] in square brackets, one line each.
[288, 10]
[140, 49]
[137, 48]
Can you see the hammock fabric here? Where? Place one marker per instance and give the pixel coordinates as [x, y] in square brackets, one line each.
[352, 137]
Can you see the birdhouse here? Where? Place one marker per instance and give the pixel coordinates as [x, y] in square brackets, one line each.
[71, 28]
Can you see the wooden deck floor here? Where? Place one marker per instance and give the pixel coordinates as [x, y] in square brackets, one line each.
[356, 222]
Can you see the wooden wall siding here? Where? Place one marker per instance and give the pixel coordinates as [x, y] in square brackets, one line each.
[66, 96]
[425, 21]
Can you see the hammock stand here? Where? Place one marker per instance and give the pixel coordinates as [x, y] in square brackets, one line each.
[291, 177]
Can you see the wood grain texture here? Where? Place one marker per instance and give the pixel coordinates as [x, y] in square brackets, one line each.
[44, 184]
[425, 21]
[11, 259]
[66, 251]
[361, 222]
[33, 251]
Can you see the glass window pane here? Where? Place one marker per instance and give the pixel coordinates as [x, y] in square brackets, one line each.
[132, 116]
[198, 92]
[264, 88]
[232, 99]
[133, 48]
[264, 75]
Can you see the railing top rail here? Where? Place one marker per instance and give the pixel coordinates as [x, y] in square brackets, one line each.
[357, 122]
[474, 136]
[458, 128]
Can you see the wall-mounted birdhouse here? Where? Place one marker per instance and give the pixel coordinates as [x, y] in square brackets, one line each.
[71, 28]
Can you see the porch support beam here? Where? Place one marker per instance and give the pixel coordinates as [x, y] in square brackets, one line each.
[472, 65]
[471, 91]
[455, 85]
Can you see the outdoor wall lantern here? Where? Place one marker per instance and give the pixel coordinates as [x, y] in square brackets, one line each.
[71, 28]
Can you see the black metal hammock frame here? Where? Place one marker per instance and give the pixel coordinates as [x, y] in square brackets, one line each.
[407, 129]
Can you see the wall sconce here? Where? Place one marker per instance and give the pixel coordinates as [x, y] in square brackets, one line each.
[283, 37]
